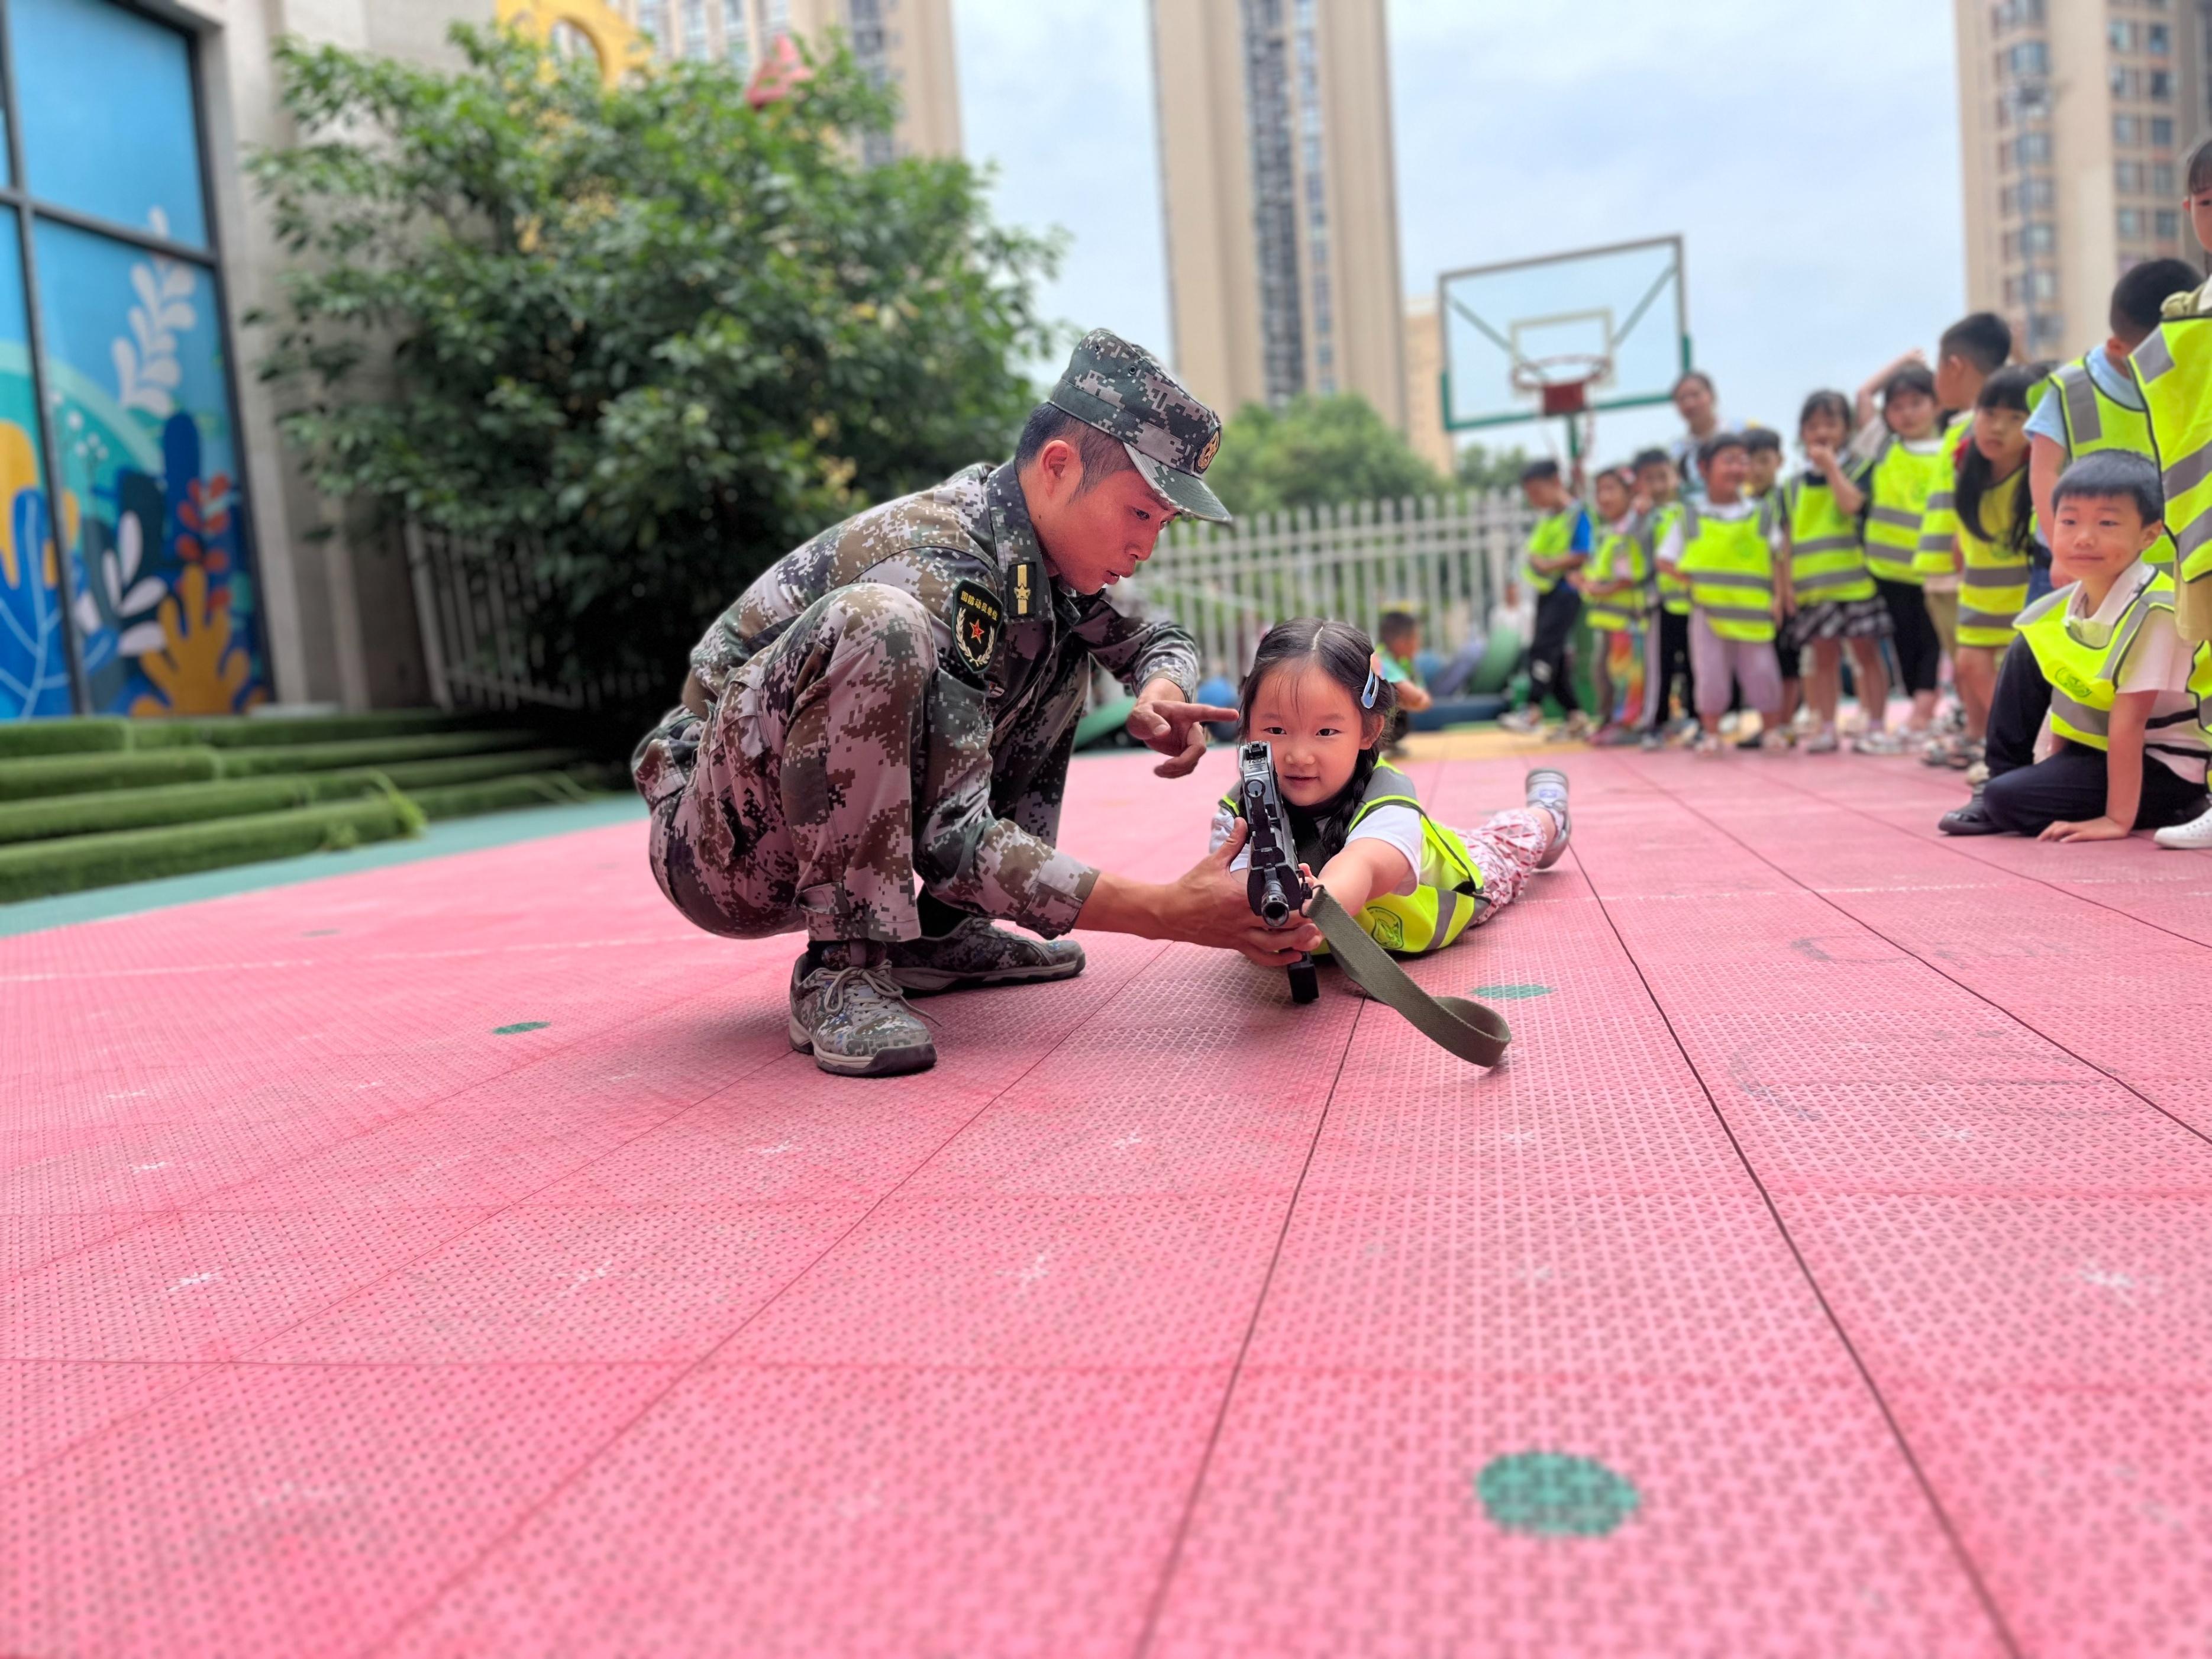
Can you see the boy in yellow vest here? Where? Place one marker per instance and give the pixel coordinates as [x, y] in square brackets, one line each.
[2093, 404]
[2099, 683]
[1726, 547]
[1557, 547]
[1658, 497]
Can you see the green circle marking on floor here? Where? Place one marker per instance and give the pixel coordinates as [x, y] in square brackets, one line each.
[1553, 1495]
[1511, 993]
[522, 1025]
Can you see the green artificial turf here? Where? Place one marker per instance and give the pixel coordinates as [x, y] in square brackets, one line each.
[46, 776]
[35, 869]
[501, 794]
[97, 733]
[291, 731]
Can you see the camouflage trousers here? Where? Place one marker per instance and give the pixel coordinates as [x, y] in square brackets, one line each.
[793, 804]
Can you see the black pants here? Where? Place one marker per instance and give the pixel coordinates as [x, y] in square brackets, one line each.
[2027, 796]
[1671, 663]
[1919, 652]
[1551, 668]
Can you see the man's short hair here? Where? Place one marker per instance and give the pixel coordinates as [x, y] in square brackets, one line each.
[2110, 474]
[1762, 439]
[1983, 339]
[1540, 469]
[2138, 296]
[1102, 454]
[1651, 458]
[1690, 374]
[1718, 442]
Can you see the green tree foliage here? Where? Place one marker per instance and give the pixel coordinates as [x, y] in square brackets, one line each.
[653, 335]
[1491, 469]
[1313, 451]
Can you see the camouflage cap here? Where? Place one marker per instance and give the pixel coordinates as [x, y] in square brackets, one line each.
[1122, 389]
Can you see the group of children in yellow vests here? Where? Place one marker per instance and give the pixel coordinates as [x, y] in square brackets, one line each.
[2046, 528]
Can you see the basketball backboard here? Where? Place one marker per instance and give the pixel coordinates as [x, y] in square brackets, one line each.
[1598, 328]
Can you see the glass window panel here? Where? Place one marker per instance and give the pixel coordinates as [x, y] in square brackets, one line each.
[107, 100]
[33, 650]
[148, 453]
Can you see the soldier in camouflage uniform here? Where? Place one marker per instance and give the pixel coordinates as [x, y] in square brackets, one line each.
[897, 700]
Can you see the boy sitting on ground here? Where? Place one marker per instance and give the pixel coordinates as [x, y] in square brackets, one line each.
[2100, 664]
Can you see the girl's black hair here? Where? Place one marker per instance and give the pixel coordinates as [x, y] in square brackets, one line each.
[1834, 403]
[1912, 377]
[1347, 656]
[2008, 388]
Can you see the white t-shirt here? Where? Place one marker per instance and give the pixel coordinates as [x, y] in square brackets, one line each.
[1397, 826]
[2159, 663]
[1670, 548]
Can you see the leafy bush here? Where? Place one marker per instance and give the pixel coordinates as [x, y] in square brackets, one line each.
[650, 335]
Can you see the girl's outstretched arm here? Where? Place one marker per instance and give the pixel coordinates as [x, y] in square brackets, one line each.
[1362, 871]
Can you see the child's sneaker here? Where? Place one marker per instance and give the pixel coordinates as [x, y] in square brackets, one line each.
[1708, 742]
[1823, 741]
[1579, 726]
[1547, 787]
[1652, 743]
[1775, 742]
[1524, 720]
[1878, 743]
[2191, 837]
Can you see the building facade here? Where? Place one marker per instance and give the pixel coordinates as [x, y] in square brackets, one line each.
[2075, 116]
[137, 449]
[904, 44]
[1279, 191]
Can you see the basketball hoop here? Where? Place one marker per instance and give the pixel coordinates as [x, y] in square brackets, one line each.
[1562, 383]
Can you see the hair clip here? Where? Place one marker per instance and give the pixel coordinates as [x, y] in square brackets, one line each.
[1369, 692]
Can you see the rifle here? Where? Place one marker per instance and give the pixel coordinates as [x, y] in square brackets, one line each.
[1280, 895]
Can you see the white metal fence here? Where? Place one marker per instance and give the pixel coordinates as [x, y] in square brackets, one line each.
[1446, 557]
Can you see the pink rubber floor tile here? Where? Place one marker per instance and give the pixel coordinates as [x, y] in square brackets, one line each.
[2170, 1037]
[577, 1284]
[46, 1408]
[294, 1509]
[28, 1243]
[197, 1285]
[2030, 1140]
[1424, 1515]
[1969, 1046]
[155, 1167]
[804, 1512]
[2087, 1509]
[2104, 1292]
[757, 1144]
[1129, 1281]
[1544, 1289]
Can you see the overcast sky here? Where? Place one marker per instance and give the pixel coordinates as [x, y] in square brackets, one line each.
[1809, 155]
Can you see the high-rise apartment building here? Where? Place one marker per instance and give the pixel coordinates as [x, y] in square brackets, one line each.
[2075, 115]
[1279, 191]
[905, 44]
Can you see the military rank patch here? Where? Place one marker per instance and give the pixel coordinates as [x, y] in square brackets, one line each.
[977, 617]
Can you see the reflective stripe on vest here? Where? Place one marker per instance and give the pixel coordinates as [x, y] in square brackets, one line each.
[2174, 368]
[2095, 420]
[1901, 483]
[1621, 556]
[1673, 590]
[1993, 585]
[1730, 568]
[1937, 552]
[1554, 534]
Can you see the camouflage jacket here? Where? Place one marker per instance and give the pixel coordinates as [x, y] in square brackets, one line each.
[999, 734]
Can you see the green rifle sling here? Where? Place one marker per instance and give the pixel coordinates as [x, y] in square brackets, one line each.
[1467, 1028]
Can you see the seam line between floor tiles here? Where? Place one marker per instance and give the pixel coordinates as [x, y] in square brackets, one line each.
[1148, 1632]
[1968, 1565]
[592, 1458]
[2014, 1016]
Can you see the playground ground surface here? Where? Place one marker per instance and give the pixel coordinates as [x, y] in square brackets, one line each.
[451, 1257]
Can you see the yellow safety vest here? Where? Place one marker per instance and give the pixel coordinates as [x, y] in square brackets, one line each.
[2094, 420]
[1939, 520]
[1554, 534]
[2084, 676]
[1673, 590]
[2174, 368]
[1826, 562]
[1995, 586]
[1449, 895]
[1901, 482]
[1621, 556]
[1730, 567]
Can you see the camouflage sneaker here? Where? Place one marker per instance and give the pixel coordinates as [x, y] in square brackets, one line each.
[855, 1022]
[975, 954]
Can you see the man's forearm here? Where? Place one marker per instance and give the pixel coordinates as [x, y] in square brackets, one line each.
[1119, 905]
